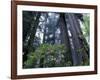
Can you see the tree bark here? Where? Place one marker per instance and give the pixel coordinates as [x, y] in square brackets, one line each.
[33, 26]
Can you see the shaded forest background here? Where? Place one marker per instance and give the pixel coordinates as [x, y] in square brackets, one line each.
[52, 39]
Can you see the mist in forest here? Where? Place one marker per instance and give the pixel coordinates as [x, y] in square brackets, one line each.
[52, 39]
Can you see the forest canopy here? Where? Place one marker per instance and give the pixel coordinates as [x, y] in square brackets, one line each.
[52, 39]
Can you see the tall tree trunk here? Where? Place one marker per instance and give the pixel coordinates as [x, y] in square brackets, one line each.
[82, 40]
[64, 35]
[74, 40]
[78, 45]
[33, 26]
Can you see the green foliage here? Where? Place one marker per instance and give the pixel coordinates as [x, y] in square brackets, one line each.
[47, 55]
[80, 50]
[86, 28]
[84, 63]
[85, 59]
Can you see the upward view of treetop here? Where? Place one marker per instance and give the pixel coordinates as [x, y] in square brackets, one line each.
[52, 39]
